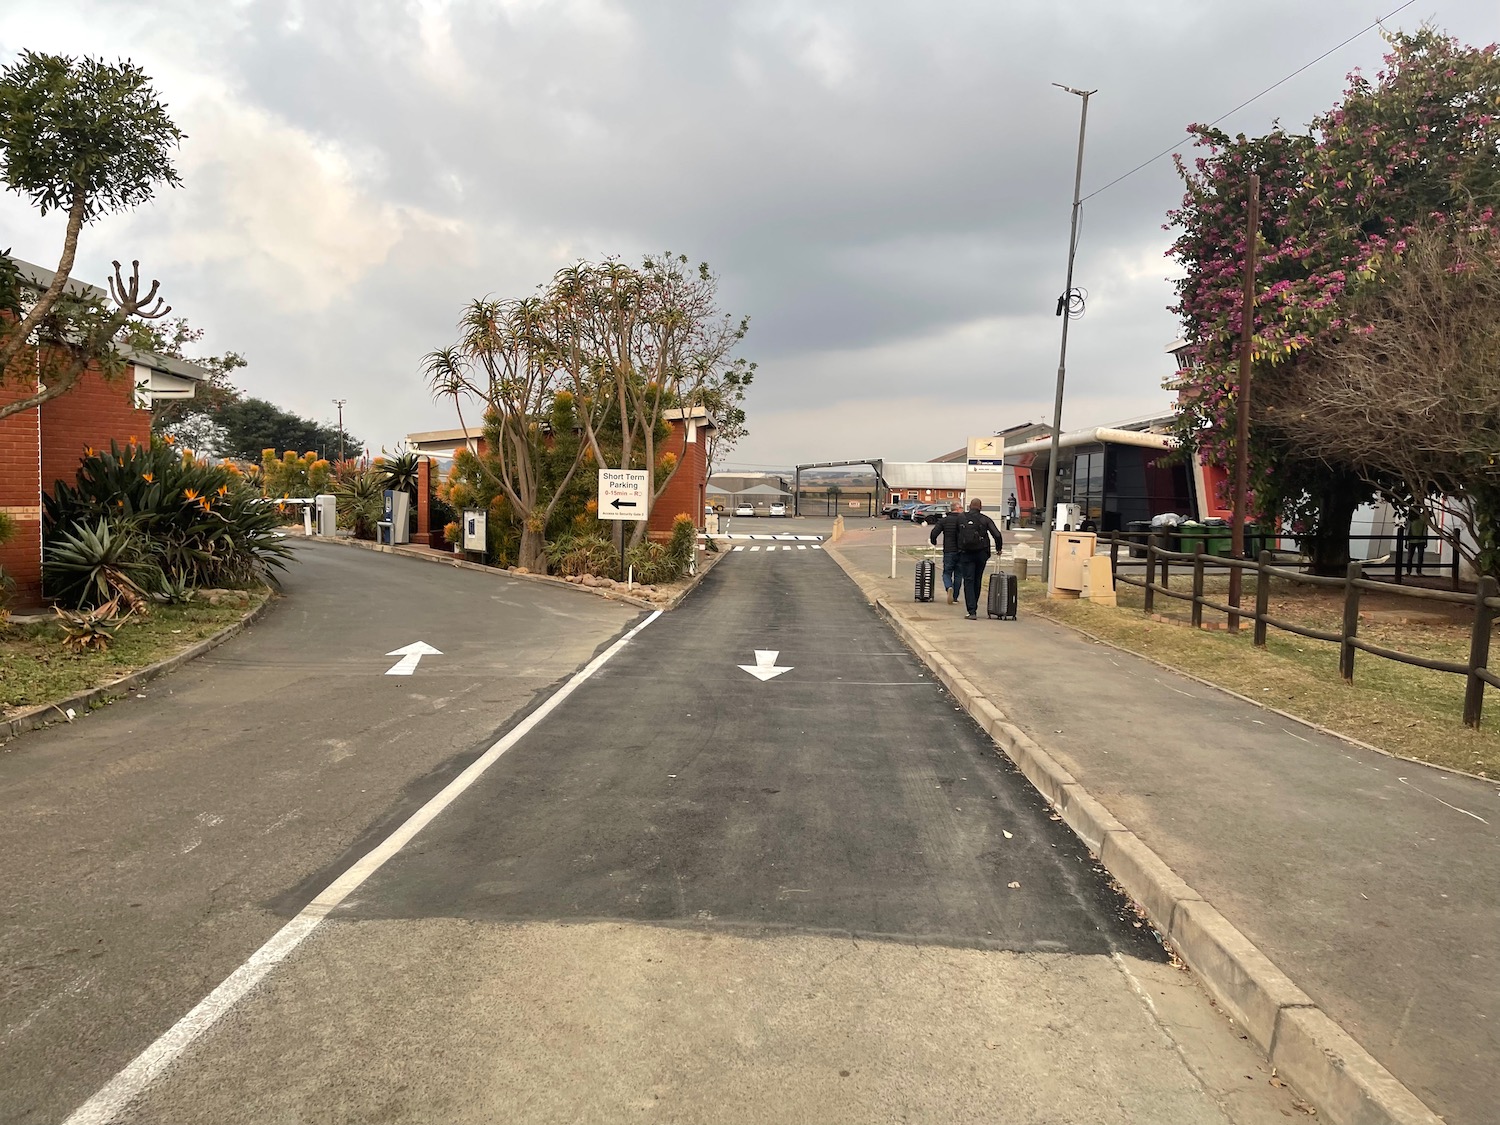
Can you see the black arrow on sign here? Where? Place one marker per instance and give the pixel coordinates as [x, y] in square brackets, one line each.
[618, 503]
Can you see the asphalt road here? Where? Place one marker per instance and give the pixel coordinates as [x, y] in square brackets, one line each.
[690, 894]
[153, 845]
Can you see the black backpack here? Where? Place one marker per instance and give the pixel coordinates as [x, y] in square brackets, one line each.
[972, 535]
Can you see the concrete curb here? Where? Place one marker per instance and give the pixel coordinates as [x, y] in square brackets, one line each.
[1307, 1048]
[35, 718]
[707, 560]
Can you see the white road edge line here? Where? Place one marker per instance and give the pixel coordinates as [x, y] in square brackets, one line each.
[133, 1080]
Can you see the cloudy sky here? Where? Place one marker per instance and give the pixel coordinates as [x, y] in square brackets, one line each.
[882, 185]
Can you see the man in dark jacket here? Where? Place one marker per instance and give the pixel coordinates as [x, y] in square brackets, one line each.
[948, 527]
[972, 535]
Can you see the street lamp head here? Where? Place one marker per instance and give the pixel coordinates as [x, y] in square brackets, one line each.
[1075, 90]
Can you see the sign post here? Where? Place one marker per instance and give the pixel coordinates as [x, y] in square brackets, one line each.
[624, 494]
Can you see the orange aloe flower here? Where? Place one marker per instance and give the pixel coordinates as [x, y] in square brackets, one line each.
[133, 440]
[190, 494]
[169, 439]
[148, 477]
[88, 450]
[223, 490]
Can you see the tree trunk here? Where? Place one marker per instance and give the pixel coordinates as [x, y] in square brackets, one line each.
[533, 551]
[1327, 546]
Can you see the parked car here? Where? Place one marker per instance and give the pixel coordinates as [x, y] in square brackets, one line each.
[744, 510]
[901, 511]
[929, 513]
[778, 509]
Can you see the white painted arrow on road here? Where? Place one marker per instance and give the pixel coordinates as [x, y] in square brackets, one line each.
[411, 655]
[765, 665]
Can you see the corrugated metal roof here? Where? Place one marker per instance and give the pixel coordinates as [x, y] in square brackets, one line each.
[924, 474]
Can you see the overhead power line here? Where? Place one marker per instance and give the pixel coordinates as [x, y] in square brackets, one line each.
[1227, 113]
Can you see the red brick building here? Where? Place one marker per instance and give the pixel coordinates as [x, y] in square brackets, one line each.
[43, 445]
[687, 491]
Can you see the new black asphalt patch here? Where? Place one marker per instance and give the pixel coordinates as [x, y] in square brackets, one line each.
[849, 794]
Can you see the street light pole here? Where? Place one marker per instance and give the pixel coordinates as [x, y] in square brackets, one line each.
[1062, 359]
[339, 402]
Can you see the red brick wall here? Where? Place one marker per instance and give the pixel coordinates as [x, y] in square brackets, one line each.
[40, 446]
[20, 491]
[424, 494]
[685, 492]
[89, 415]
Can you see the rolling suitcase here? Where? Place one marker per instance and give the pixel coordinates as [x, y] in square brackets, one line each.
[926, 580]
[1002, 595]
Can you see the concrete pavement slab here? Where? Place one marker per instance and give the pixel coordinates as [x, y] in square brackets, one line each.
[693, 894]
[1341, 864]
[465, 1022]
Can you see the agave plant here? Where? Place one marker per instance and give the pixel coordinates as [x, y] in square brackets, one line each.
[361, 501]
[91, 630]
[400, 471]
[201, 522]
[92, 566]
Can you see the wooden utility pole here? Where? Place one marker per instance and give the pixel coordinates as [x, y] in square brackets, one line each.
[1242, 403]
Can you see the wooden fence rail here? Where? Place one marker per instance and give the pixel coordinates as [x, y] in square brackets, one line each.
[1485, 603]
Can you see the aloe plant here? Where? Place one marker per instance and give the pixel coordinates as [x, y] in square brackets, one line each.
[91, 566]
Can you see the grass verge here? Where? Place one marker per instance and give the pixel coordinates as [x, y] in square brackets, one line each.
[1408, 711]
[35, 669]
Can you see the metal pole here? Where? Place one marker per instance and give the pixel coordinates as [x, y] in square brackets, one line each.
[1242, 401]
[1062, 358]
[339, 402]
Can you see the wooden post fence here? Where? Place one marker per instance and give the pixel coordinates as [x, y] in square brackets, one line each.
[1351, 623]
[1262, 598]
[1198, 584]
[1479, 649]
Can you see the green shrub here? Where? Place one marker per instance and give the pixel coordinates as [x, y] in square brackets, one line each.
[361, 498]
[105, 563]
[201, 524]
[654, 563]
[291, 475]
[583, 554]
[684, 541]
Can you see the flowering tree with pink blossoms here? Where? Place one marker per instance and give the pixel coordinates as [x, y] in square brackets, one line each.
[1418, 146]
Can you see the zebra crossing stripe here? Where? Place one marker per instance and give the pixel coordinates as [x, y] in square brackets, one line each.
[741, 547]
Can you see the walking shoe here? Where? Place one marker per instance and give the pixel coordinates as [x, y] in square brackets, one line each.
[952, 597]
[972, 616]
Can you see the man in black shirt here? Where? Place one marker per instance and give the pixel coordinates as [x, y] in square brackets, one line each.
[972, 534]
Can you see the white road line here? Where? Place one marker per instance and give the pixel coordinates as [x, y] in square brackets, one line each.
[125, 1086]
[801, 546]
[741, 547]
[786, 548]
[817, 547]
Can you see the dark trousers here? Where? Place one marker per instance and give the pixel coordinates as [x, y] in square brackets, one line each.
[971, 565]
[1415, 549]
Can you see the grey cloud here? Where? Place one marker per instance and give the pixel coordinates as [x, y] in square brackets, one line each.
[883, 186]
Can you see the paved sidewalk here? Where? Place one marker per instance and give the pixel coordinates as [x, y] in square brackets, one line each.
[1373, 883]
